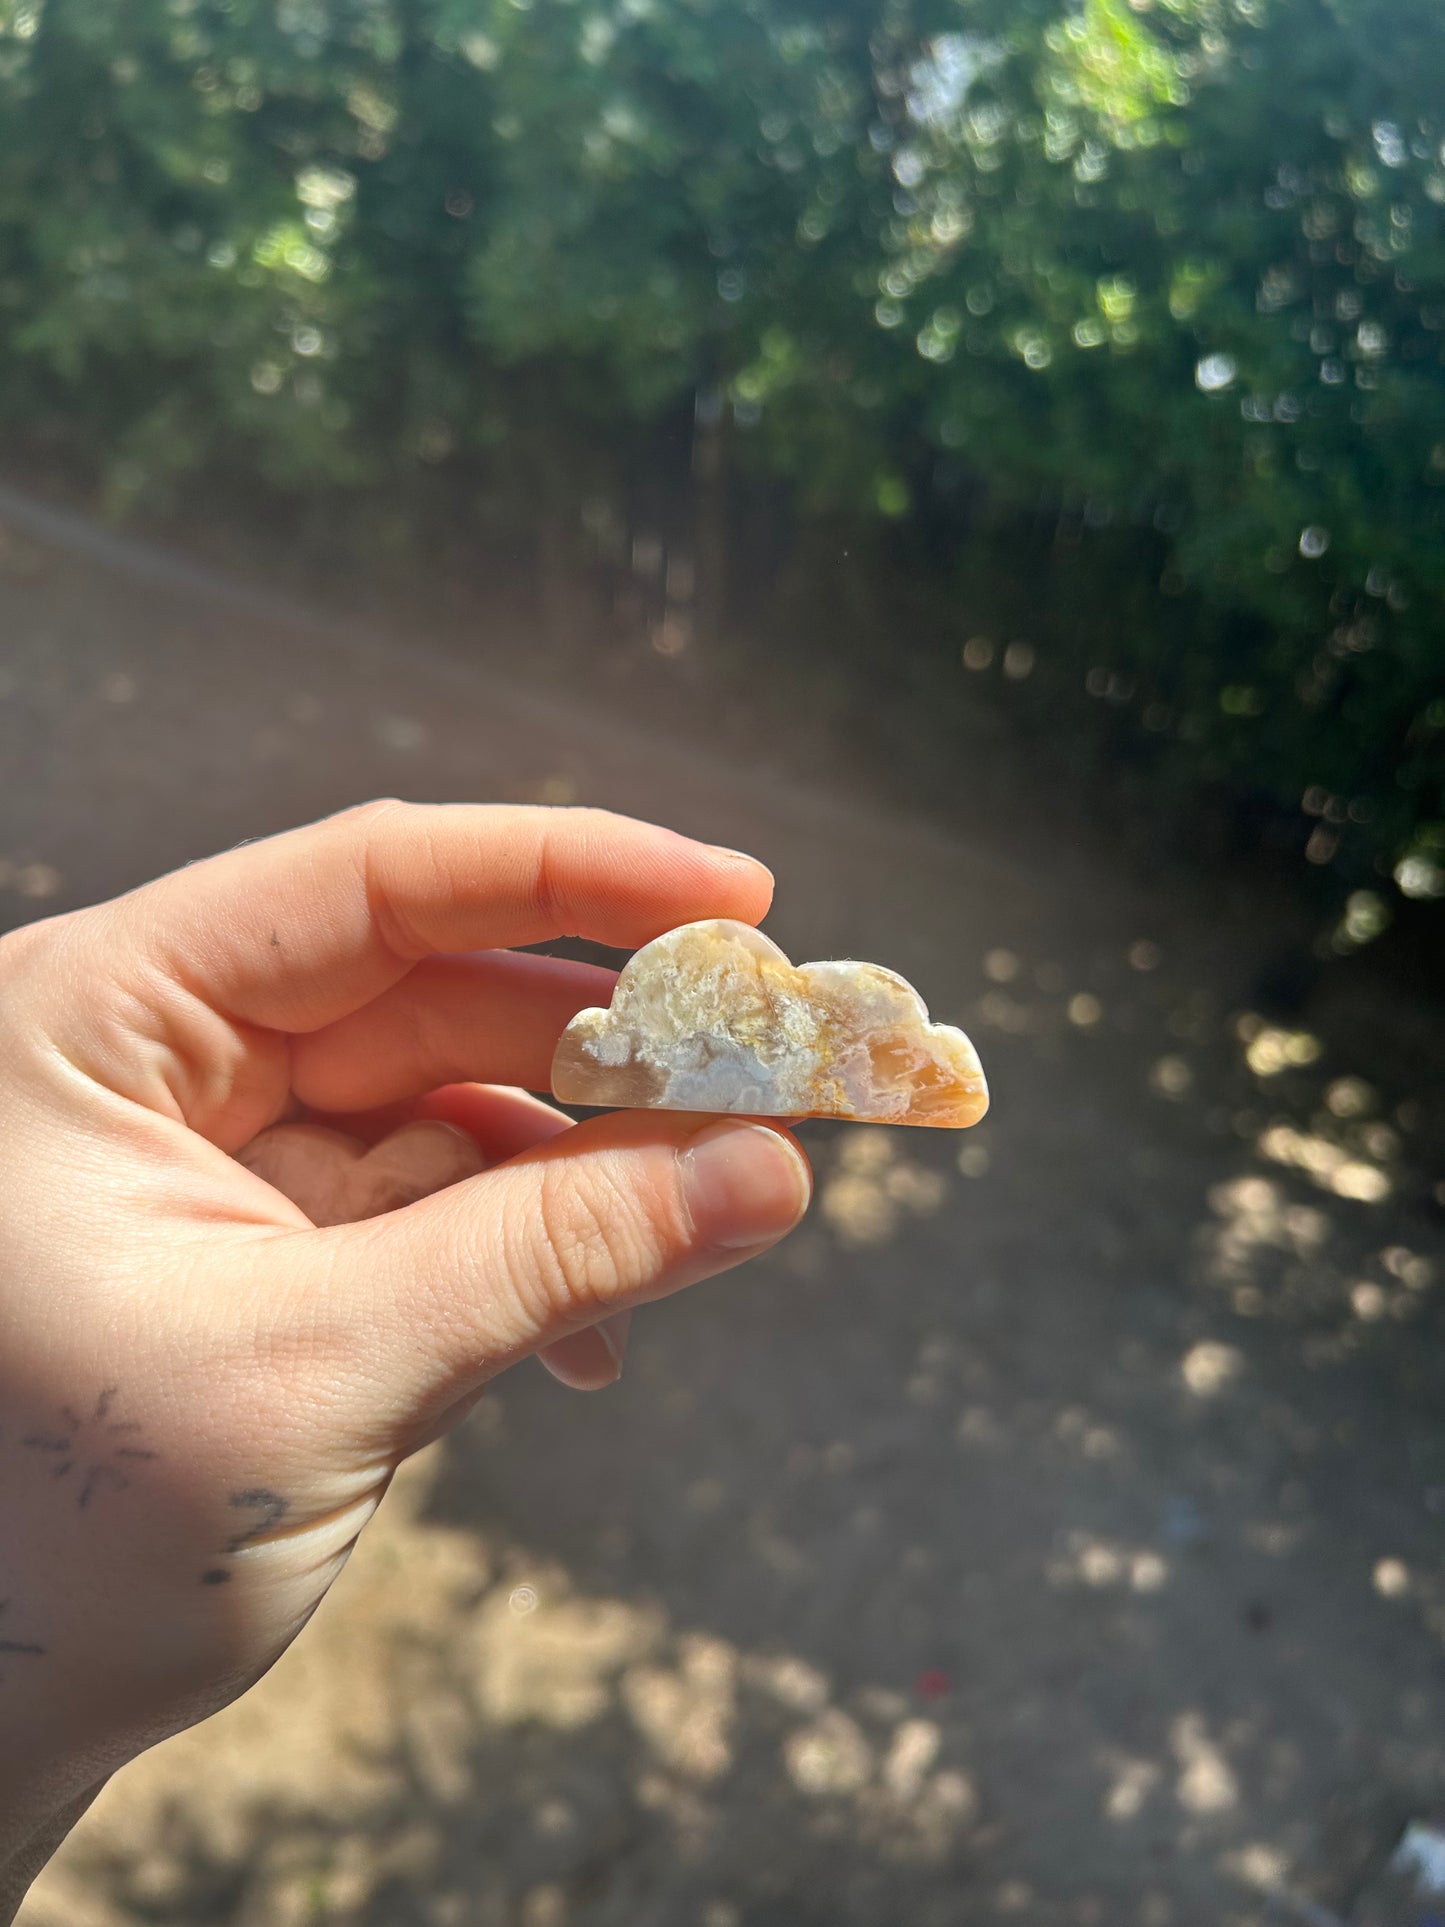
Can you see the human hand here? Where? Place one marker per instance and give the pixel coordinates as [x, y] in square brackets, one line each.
[203, 1395]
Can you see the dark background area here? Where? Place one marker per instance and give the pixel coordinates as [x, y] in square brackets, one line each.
[1088, 347]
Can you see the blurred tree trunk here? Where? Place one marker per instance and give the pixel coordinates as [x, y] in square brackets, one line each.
[557, 598]
[712, 439]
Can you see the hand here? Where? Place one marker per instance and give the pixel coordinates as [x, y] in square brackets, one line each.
[203, 1394]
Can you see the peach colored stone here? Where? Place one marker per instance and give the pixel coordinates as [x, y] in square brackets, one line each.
[713, 1017]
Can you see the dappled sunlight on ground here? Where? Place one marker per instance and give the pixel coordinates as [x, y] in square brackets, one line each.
[1049, 1532]
[873, 1185]
[435, 1664]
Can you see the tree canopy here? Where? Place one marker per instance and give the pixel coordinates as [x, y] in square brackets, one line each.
[1174, 267]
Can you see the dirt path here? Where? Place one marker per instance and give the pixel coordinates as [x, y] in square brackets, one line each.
[1049, 1532]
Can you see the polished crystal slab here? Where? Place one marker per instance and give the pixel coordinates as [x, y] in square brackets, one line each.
[713, 1017]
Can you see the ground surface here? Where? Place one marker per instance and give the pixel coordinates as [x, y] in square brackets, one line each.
[1049, 1532]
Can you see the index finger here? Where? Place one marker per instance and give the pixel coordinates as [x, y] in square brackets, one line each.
[297, 931]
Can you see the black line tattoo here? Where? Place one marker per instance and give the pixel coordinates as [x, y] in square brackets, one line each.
[17, 1648]
[272, 1508]
[93, 1445]
[95, 1478]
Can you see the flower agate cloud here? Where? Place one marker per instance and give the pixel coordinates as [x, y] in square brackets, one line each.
[713, 1017]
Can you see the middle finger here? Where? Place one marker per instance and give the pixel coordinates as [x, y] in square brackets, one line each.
[492, 1017]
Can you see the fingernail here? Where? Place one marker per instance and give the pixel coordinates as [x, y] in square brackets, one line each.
[738, 856]
[613, 1333]
[744, 1185]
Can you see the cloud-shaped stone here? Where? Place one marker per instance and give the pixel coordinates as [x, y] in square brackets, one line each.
[713, 1017]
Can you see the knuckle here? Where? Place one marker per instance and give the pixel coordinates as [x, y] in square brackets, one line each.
[374, 852]
[591, 1241]
[362, 815]
[567, 834]
[360, 828]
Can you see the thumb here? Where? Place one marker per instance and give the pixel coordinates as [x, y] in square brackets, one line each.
[625, 1208]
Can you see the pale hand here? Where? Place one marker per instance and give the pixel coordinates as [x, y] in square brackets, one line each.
[203, 1394]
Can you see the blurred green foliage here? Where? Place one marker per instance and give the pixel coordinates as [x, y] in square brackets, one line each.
[1169, 271]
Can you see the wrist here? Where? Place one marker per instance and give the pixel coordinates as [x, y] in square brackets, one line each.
[25, 1849]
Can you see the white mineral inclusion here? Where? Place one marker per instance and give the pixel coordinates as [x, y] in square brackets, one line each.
[713, 1017]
